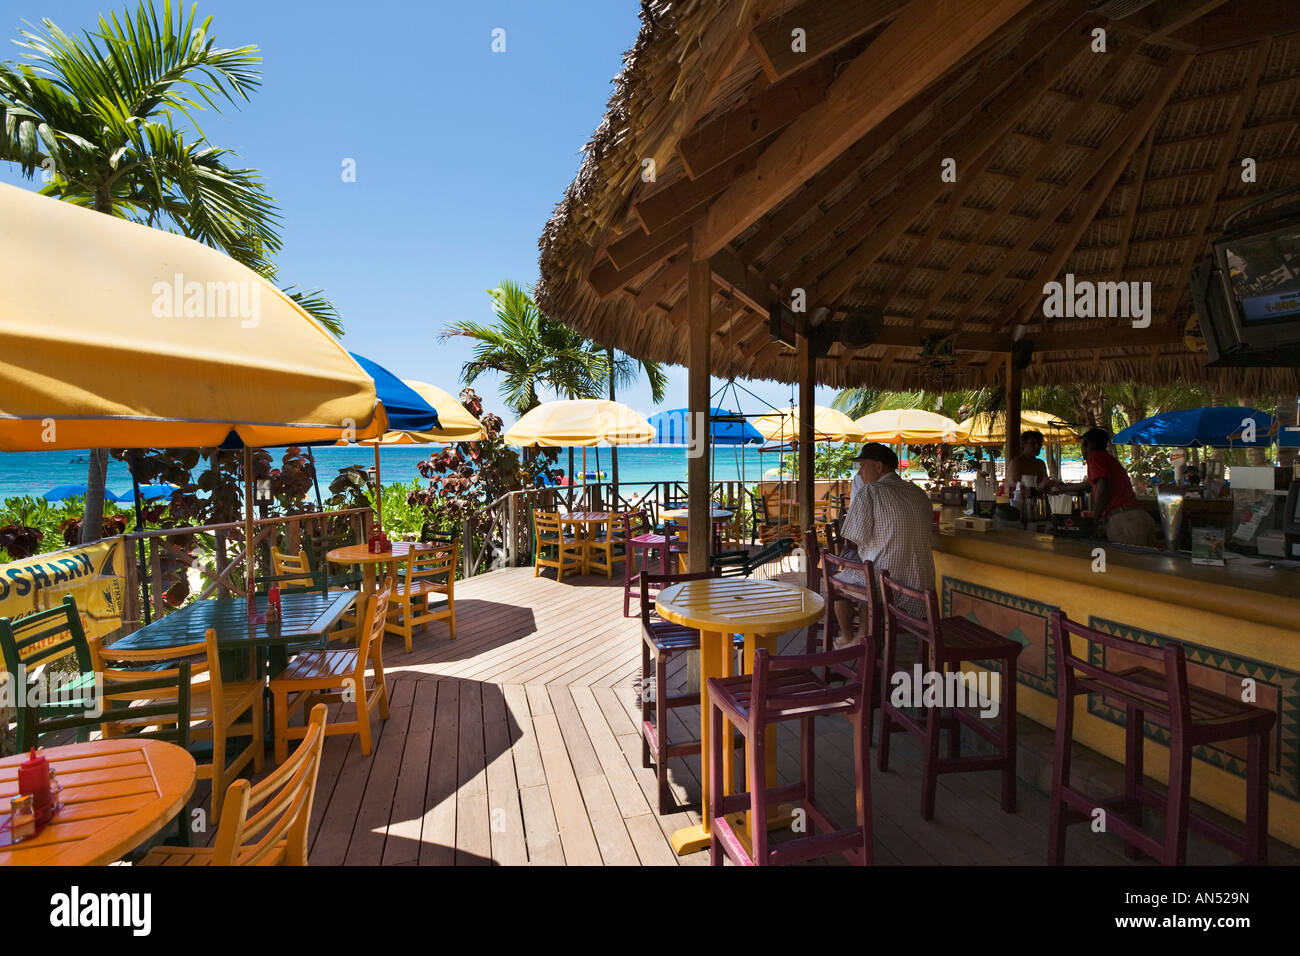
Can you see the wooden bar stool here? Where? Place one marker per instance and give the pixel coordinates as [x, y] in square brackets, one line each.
[1193, 716]
[660, 640]
[945, 643]
[640, 540]
[865, 596]
[781, 689]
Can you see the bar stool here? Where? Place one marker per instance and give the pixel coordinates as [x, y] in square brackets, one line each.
[781, 689]
[947, 642]
[1193, 716]
[865, 596]
[660, 640]
[640, 540]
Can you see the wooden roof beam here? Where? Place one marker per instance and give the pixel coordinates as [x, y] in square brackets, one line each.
[826, 24]
[668, 203]
[763, 114]
[990, 124]
[1130, 216]
[743, 282]
[921, 44]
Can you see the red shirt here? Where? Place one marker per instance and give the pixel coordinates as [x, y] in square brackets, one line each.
[1102, 464]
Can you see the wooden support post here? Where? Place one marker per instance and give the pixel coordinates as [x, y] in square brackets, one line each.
[1013, 409]
[807, 366]
[699, 295]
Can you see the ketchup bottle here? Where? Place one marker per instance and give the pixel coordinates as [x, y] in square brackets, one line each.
[34, 779]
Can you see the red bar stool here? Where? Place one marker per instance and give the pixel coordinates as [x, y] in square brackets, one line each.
[1193, 716]
[944, 643]
[641, 540]
[660, 640]
[866, 597]
[781, 689]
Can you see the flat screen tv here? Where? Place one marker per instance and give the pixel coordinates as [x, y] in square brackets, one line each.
[1247, 296]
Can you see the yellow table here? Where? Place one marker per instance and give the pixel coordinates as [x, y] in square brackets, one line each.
[719, 608]
[116, 794]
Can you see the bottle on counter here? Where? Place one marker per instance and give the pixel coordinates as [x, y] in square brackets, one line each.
[22, 818]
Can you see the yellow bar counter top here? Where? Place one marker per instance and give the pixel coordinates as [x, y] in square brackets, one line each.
[1239, 626]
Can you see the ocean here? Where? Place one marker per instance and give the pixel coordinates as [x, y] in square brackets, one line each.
[36, 472]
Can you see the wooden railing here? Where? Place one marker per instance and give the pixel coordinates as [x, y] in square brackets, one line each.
[212, 558]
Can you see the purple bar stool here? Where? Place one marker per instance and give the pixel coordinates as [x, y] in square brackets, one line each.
[781, 689]
[1193, 716]
[641, 541]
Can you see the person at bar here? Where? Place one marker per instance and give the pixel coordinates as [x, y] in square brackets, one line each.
[1114, 504]
[889, 523]
[1027, 463]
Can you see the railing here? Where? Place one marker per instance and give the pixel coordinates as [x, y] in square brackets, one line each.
[210, 560]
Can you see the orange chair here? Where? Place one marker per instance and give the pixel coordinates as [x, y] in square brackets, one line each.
[555, 549]
[334, 676]
[427, 575]
[275, 834]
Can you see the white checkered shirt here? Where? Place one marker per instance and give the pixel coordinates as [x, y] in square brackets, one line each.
[890, 521]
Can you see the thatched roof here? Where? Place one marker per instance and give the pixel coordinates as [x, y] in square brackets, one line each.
[1112, 166]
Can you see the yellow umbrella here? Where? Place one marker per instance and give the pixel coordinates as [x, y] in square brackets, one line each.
[457, 425]
[991, 429]
[912, 426]
[582, 422]
[113, 333]
[828, 425]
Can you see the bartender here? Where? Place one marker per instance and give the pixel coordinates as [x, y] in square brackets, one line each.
[1114, 504]
[1027, 464]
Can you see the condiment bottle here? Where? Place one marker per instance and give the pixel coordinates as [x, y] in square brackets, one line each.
[34, 779]
[22, 818]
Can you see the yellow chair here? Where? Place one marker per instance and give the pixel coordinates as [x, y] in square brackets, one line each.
[609, 545]
[334, 676]
[426, 574]
[216, 706]
[275, 834]
[549, 534]
[292, 570]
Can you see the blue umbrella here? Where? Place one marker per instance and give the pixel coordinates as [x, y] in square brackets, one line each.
[725, 428]
[1195, 427]
[152, 492]
[64, 492]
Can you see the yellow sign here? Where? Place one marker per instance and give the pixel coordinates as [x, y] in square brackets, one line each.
[94, 574]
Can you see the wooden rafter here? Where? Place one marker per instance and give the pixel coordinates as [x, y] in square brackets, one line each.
[1027, 302]
[1135, 203]
[826, 24]
[990, 124]
[1046, 154]
[913, 51]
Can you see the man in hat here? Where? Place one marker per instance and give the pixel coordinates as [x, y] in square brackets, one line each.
[889, 521]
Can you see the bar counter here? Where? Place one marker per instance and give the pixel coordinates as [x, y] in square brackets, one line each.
[1236, 622]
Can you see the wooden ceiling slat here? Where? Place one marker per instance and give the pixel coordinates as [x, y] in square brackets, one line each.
[827, 26]
[913, 51]
[1135, 203]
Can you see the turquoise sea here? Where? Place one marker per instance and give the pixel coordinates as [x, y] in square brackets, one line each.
[33, 473]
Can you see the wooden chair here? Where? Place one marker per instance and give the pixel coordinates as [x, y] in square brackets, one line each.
[783, 689]
[29, 643]
[609, 545]
[744, 563]
[945, 644]
[333, 676]
[275, 833]
[222, 709]
[426, 575]
[555, 549]
[642, 541]
[293, 571]
[328, 577]
[1194, 716]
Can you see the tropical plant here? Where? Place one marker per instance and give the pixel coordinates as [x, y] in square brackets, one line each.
[109, 118]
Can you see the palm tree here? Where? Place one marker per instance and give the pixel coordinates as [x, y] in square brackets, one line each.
[98, 115]
[529, 351]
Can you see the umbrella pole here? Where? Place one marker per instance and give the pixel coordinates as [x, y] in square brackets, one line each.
[586, 496]
[139, 542]
[379, 494]
[250, 554]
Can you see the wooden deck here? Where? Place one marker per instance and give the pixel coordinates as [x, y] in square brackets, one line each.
[517, 744]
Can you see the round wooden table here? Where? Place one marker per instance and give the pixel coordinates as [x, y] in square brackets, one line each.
[116, 794]
[719, 608]
[362, 555]
[719, 517]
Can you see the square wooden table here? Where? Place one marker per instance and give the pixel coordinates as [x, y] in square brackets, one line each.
[306, 615]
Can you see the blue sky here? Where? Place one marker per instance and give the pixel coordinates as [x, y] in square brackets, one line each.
[460, 153]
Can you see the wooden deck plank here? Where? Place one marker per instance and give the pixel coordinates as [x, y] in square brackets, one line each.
[438, 826]
[473, 817]
[366, 848]
[403, 844]
[576, 836]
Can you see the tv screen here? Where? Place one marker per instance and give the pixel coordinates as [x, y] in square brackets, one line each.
[1263, 272]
